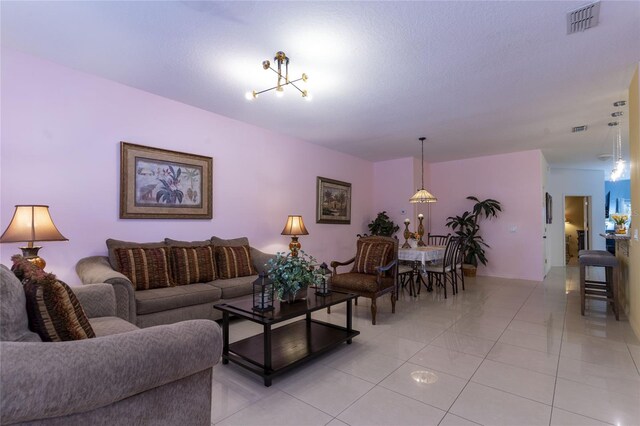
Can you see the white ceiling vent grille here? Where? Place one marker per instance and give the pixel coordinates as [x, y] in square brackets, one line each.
[583, 18]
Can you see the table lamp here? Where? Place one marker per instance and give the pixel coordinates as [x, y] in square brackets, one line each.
[31, 223]
[294, 227]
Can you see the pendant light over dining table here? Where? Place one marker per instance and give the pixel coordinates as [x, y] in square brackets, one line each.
[422, 196]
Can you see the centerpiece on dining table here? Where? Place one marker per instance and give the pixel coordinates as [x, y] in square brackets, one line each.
[292, 275]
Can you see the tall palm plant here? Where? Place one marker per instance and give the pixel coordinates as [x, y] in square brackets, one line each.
[467, 228]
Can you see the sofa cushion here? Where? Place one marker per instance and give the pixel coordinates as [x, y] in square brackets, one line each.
[112, 245]
[371, 255]
[234, 262]
[54, 311]
[359, 282]
[236, 287]
[162, 299]
[179, 243]
[194, 264]
[145, 267]
[233, 242]
[106, 326]
[14, 323]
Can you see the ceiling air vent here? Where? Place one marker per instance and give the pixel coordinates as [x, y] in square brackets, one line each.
[579, 129]
[583, 18]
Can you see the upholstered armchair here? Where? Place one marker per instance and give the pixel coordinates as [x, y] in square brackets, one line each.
[374, 271]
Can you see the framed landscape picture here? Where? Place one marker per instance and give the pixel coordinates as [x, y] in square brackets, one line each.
[161, 184]
[333, 201]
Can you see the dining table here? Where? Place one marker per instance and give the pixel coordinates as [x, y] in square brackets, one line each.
[420, 257]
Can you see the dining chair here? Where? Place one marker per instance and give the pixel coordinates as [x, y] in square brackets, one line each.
[443, 272]
[459, 261]
[437, 240]
[406, 276]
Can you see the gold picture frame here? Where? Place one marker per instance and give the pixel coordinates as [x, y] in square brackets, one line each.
[162, 184]
[333, 201]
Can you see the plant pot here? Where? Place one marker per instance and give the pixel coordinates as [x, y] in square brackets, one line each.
[469, 270]
[299, 295]
[621, 229]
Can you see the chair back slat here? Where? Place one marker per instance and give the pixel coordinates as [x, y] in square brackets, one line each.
[451, 252]
[438, 240]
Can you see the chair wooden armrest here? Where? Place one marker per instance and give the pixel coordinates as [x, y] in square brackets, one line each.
[335, 264]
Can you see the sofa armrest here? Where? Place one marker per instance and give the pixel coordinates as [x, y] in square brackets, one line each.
[260, 259]
[97, 269]
[44, 380]
[97, 300]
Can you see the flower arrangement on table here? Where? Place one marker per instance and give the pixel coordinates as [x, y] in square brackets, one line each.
[620, 220]
[292, 274]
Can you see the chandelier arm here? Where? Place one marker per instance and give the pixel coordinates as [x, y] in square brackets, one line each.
[291, 83]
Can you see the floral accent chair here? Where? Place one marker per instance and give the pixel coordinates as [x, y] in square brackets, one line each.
[374, 272]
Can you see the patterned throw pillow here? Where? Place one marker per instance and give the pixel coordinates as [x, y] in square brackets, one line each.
[371, 255]
[193, 264]
[146, 267]
[53, 310]
[234, 262]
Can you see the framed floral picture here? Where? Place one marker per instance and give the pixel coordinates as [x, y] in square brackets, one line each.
[161, 184]
[333, 201]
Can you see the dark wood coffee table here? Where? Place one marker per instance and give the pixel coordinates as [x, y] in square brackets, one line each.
[279, 349]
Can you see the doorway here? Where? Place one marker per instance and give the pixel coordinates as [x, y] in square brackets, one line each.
[577, 226]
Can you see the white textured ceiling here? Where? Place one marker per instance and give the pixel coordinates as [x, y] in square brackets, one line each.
[475, 78]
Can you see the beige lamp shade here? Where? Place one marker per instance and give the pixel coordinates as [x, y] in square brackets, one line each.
[423, 196]
[294, 226]
[31, 223]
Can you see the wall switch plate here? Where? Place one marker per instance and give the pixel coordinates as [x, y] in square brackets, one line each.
[635, 234]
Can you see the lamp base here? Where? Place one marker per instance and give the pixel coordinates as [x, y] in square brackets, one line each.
[294, 246]
[31, 254]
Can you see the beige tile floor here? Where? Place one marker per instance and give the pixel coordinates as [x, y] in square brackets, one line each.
[504, 352]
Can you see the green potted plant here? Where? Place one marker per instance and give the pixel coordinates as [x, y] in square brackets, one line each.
[292, 275]
[382, 225]
[467, 228]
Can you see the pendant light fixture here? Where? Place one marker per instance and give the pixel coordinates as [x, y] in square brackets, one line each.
[422, 196]
[618, 161]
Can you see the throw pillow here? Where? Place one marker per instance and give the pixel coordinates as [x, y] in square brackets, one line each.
[112, 245]
[146, 267]
[53, 310]
[193, 264]
[371, 255]
[234, 262]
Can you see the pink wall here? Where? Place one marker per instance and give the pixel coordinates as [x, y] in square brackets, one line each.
[515, 237]
[60, 146]
[395, 181]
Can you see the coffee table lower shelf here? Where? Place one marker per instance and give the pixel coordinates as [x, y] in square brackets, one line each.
[291, 345]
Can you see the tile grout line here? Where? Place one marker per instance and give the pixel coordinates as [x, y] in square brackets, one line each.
[564, 321]
[487, 354]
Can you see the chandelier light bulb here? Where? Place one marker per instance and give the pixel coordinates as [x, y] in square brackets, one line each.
[250, 96]
[279, 92]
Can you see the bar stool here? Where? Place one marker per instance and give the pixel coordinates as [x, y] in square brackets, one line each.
[600, 290]
[602, 252]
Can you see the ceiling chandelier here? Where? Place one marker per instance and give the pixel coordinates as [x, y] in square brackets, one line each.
[422, 196]
[618, 161]
[283, 79]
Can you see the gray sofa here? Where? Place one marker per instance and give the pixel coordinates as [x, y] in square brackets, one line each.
[125, 375]
[168, 305]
